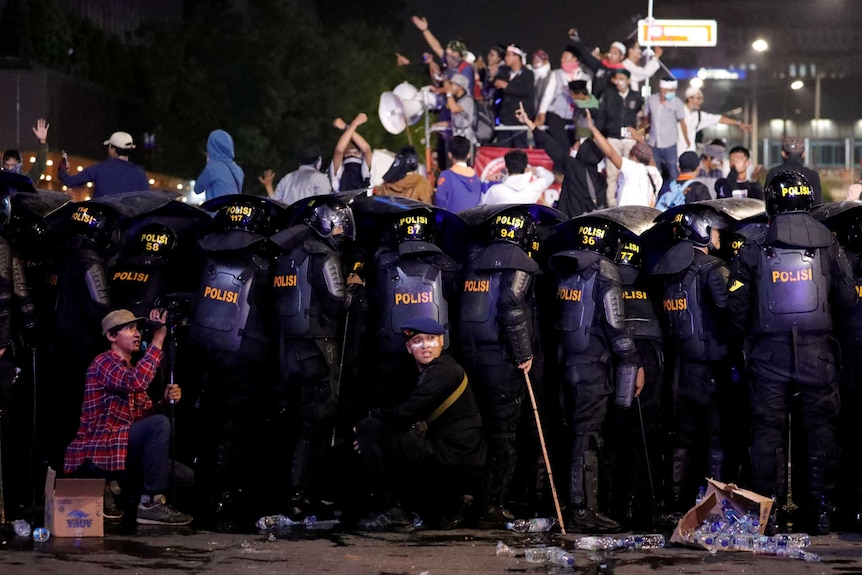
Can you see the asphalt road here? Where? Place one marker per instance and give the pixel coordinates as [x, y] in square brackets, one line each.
[298, 550]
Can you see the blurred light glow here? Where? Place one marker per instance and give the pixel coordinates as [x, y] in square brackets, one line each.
[696, 83]
[760, 45]
[797, 84]
[152, 181]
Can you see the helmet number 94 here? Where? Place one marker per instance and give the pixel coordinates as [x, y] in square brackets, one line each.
[507, 234]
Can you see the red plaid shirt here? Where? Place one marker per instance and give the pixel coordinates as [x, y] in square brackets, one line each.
[115, 396]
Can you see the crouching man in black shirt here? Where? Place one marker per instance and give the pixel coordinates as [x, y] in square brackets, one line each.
[434, 439]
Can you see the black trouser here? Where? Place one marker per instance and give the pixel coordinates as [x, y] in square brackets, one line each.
[848, 496]
[782, 374]
[633, 444]
[702, 424]
[588, 388]
[499, 386]
[307, 378]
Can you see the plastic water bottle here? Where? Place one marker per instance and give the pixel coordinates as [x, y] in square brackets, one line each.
[780, 548]
[309, 521]
[593, 543]
[270, 521]
[637, 541]
[504, 550]
[22, 528]
[417, 521]
[538, 555]
[562, 557]
[534, 525]
[797, 540]
[41, 534]
[701, 495]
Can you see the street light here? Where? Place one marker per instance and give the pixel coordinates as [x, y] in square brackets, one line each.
[797, 85]
[760, 45]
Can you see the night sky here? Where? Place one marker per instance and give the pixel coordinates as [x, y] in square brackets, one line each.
[532, 24]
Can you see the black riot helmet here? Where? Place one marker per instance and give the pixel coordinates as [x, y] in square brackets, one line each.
[5, 210]
[329, 216]
[156, 240]
[629, 252]
[695, 226]
[788, 192]
[514, 225]
[243, 215]
[415, 225]
[93, 222]
[597, 235]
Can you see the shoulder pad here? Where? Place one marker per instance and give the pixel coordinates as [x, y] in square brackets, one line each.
[505, 256]
[609, 270]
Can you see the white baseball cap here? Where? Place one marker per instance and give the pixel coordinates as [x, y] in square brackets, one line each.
[121, 140]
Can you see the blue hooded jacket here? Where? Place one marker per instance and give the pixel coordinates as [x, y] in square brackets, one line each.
[221, 176]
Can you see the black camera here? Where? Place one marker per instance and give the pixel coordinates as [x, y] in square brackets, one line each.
[178, 306]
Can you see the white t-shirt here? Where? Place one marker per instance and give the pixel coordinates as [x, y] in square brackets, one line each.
[634, 187]
[693, 124]
[524, 188]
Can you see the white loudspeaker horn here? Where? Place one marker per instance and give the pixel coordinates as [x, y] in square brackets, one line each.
[403, 106]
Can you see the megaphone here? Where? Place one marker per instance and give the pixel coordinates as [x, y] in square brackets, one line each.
[403, 106]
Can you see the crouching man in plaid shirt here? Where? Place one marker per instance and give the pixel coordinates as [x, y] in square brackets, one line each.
[121, 429]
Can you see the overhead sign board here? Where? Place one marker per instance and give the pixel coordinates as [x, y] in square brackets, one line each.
[678, 33]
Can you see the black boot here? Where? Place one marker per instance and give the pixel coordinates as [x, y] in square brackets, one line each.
[584, 516]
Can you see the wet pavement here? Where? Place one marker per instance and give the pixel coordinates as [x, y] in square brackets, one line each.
[333, 551]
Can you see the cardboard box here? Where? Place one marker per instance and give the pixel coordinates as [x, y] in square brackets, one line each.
[742, 500]
[73, 507]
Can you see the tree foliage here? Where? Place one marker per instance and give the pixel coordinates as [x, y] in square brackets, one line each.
[274, 76]
[273, 73]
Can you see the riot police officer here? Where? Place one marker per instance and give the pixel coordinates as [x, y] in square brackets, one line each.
[848, 330]
[410, 277]
[784, 288]
[590, 322]
[309, 297]
[693, 316]
[495, 339]
[634, 435]
[229, 319]
[77, 281]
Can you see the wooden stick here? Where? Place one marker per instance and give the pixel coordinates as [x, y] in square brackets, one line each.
[545, 454]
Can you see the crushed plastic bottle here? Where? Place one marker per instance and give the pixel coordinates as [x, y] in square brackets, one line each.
[270, 521]
[538, 555]
[638, 541]
[504, 550]
[41, 534]
[780, 548]
[22, 528]
[593, 543]
[417, 521]
[534, 525]
[701, 495]
[797, 540]
[309, 521]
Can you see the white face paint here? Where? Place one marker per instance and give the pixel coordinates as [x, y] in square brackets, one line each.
[425, 348]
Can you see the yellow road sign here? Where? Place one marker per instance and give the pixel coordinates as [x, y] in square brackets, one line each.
[678, 32]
